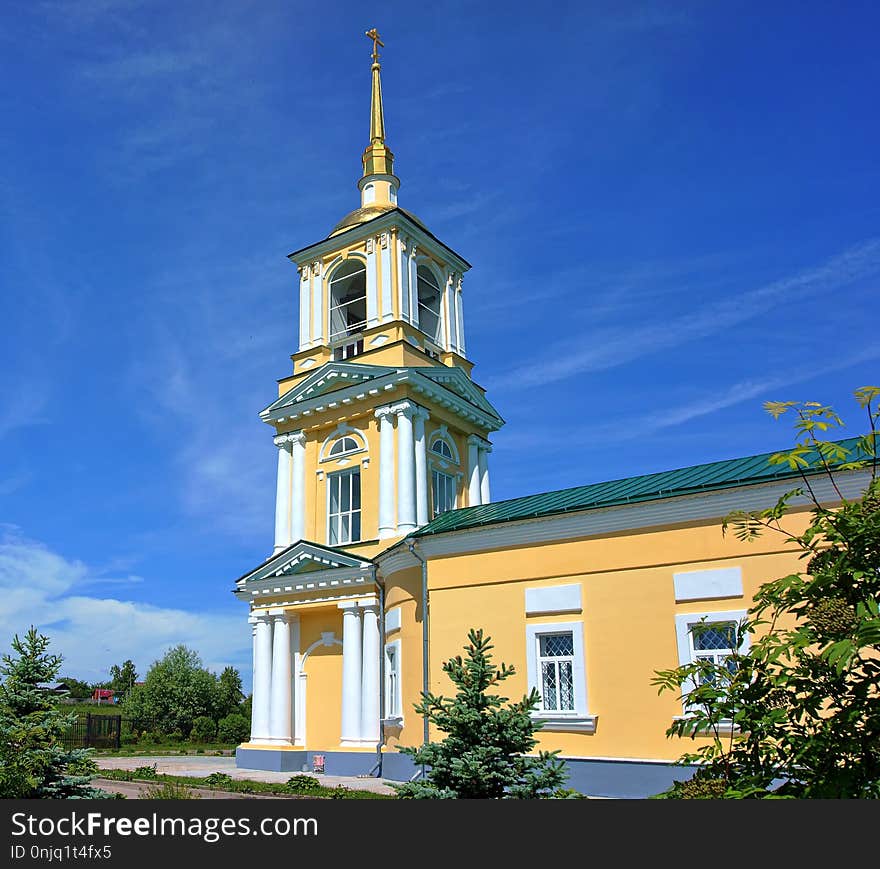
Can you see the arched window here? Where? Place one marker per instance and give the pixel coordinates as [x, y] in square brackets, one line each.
[442, 449]
[348, 299]
[343, 446]
[430, 295]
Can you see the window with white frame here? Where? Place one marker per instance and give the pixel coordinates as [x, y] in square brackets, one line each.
[344, 506]
[393, 704]
[430, 296]
[348, 299]
[343, 446]
[714, 642]
[709, 636]
[441, 448]
[556, 666]
[556, 669]
[443, 486]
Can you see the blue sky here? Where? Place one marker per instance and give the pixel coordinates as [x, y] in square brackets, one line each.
[673, 213]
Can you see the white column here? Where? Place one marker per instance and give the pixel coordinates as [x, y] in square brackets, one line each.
[413, 287]
[403, 274]
[421, 460]
[370, 677]
[485, 496]
[473, 470]
[282, 494]
[386, 244]
[351, 673]
[459, 312]
[387, 525]
[298, 498]
[406, 469]
[260, 731]
[453, 313]
[280, 730]
[305, 308]
[317, 304]
[372, 284]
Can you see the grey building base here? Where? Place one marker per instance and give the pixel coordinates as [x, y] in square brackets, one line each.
[335, 762]
[619, 779]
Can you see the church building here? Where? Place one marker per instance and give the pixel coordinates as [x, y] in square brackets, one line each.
[388, 547]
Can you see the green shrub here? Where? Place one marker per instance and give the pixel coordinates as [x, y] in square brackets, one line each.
[204, 729]
[302, 784]
[169, 791]
[233, 728]
[174, 736]
[156, 737]
[145, 772]
[219, 780]
[340, 792]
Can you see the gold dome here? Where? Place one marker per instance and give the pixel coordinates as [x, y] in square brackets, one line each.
[369, 212]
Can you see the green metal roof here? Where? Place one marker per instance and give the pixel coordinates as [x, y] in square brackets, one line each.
[632, 490]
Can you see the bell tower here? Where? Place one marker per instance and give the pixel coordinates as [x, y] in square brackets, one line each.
[379, 427]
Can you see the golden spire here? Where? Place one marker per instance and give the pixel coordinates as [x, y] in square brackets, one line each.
[377, 158]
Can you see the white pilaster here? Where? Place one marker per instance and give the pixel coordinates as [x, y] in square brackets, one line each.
[485, 496]
[317, 304]
[403, 269]
[473, 470]
[260, 728]
[372, 284]
[413, 287]
[370, 672]
[459, 311]
[447, 314]
[406, 468]
[387, 525]
[282, 494]
[385, 246]
[280, 706]
[298, 487]
[453, 313]
[305, 308]
[421, 460]
[352, 651]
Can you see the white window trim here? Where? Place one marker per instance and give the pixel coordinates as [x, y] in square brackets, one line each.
[454, 478]
[329, 480]
[443, 434]
[683, 622]
[579, 719]
[393, 720]
[341, 431]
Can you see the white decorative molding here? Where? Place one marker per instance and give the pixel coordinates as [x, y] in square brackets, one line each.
[393, 620]
[308, 363]
[553, 599]
[566, 723]
[708, 584]
[379, 340]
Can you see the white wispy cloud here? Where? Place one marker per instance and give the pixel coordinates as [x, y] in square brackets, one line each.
[617, 346]
[637, 426]
[43, 588]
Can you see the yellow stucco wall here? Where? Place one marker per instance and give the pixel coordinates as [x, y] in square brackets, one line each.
[628, 615]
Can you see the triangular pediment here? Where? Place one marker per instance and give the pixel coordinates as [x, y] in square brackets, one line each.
[455, 380]
[330, 377]
[303, 558]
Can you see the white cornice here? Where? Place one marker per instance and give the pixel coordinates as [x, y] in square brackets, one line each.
[339, 577]
[395, 219]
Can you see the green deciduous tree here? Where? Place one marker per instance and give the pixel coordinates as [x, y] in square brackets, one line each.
[123, 676]
[484, 754]
[229, 693]
[33, 761]
[798, 713]
[176, 691]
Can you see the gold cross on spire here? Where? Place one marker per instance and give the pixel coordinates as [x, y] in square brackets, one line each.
[374, 35]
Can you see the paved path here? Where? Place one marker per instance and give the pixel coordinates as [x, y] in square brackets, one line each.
[198, 766]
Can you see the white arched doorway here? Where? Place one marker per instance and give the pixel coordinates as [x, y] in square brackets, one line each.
[328, 638]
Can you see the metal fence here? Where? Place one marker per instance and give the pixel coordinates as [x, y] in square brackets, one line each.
[94, 731]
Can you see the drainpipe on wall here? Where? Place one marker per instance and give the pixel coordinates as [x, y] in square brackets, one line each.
[411, 545]
[380, 587]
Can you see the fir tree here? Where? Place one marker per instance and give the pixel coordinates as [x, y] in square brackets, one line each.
[484, 755]
[33, 762]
